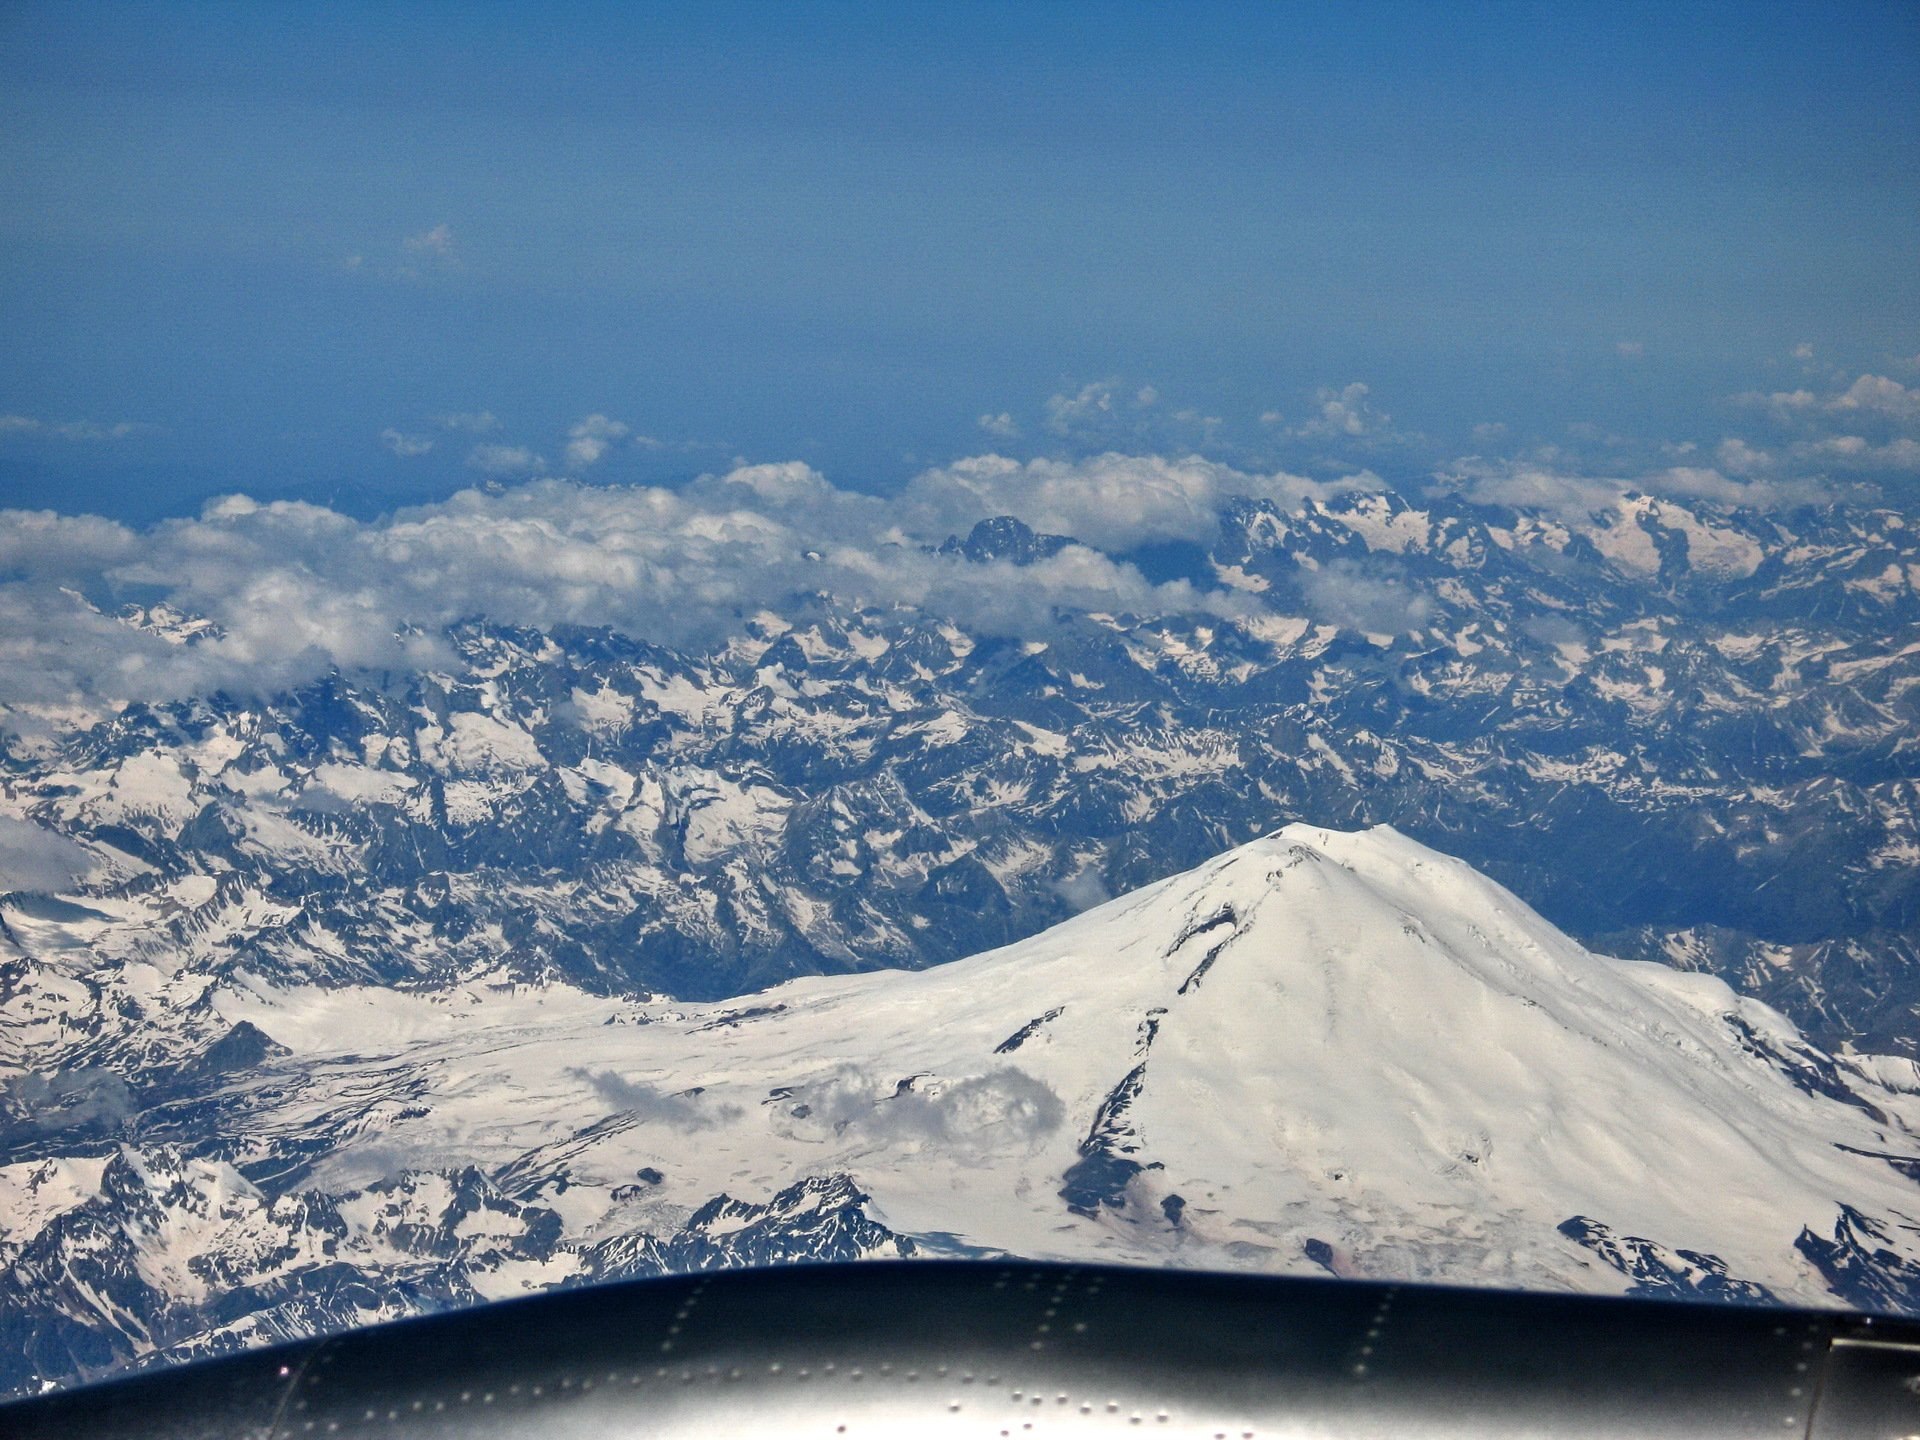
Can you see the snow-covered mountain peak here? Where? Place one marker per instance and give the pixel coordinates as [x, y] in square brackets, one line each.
[1320, 1049]
[1356, 1020]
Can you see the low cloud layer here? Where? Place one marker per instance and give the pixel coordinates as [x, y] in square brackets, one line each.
[1526, 485]
[289, 590]
[293, 589]
[1116, 502]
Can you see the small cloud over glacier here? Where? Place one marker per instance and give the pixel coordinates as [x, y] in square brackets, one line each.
[979, 1115]
[680, 1110]
[35, 858]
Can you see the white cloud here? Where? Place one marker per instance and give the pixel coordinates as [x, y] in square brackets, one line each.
[590, 438]
[978, 1116]
[292, 589]
[1001, 426]
[1803, 351]
[1529, 484]
[1146, 395]
[90, 430]
[437, 241]
[680, 1110]
[1113, 501]
[505, 461]
[1630, 349]
[1737, 457]
[1784, 405]
[1344, 412]
[81, 430]
[35, 858]
[1346, 595]
[1856, 452]
[1878, 395]
[404, 445]
[475, 422]
[1068, 413]
[787, 483]
[423, 255]
[43, 544]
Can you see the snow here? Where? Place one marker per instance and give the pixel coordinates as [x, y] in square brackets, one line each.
[723, 814]
[1373, 519]
[32, 1192]
[1620, 537]
[1385, 1051]
[605, 709]
[359, 784]
[474, 743]
[147, 784]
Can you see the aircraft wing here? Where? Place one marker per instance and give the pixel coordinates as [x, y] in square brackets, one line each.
[1018, 1350]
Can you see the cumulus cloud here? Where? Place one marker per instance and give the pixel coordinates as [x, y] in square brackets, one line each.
[1856, 452]
[589, 439]
[1870, 425]
[1879, 395]
[1001, 426]
[1782, 403]
[42, 543]
[1344, 412]
[1067, 414]
[88, 1099]
[404, 445]
[292, 590]
[505, 461]
[1116, 502]
[1867, 397]
[979, 1115]
[1348, 595]
[419, 256]
[1108, 415]
[780, 486]
[1803, 351]
[35, 858]
[685, 1110]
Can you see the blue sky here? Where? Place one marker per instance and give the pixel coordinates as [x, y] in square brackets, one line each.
[370, 254]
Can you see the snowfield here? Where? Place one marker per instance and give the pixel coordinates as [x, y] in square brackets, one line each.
[1343, 1046]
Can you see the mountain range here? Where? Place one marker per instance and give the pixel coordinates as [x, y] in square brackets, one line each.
[1320, 1051]
[410, 988]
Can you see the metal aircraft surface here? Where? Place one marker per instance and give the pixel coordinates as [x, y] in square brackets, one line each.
[1017, 1350]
